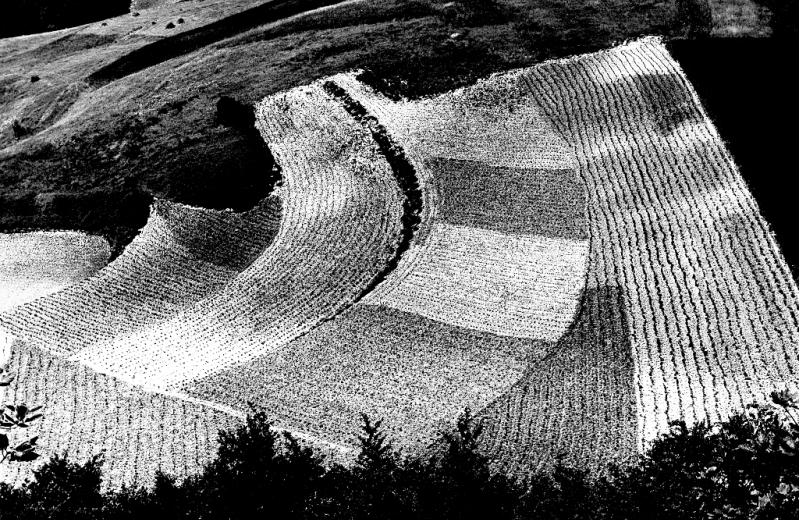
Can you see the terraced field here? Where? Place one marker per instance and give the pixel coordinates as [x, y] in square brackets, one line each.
[568, 248]
[36, 264]
[689, 304]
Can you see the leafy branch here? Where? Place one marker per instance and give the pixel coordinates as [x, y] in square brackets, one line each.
[15, 418]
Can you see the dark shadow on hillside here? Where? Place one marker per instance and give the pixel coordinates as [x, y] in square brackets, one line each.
[186, 42]
[236, 170]
[749, 88]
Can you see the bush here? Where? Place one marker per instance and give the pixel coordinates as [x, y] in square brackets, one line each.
[745, 467]
[471, 13]
[235, 114]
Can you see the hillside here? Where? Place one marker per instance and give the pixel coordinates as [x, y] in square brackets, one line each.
[97, 119]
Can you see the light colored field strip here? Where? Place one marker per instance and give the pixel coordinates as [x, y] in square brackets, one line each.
[416, 373]
[474, 148]
[86, 413]
[521, 286]
[711, 307]
[158, 275]
[40, 263]
[340, 224]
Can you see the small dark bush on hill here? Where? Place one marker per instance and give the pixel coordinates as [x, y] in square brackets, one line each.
[745, 468]
[473, 13]
[234, 113]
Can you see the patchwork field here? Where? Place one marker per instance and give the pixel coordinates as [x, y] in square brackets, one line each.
[566, 248]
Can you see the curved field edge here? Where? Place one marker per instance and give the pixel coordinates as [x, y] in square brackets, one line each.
[156, 127]
[404, 174]
[145, 284]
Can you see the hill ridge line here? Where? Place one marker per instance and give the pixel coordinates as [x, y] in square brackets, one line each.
[192, 40]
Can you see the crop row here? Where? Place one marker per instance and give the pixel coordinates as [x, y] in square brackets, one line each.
[339, 225]
[710, 307]
[39, 263]
[86, 412]
[496, 251]
[158, 275]
[465, 309]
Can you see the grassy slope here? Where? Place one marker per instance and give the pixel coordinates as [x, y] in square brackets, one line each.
[95, 150]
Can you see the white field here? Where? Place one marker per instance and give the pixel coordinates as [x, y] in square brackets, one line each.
[40, 263]
[339, 225]
[455, 324]
[691, 310]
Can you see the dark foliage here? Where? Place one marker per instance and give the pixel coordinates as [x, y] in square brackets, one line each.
[433, 66]
[745, 467]
[235, 114]
[18, 130]
[471, 13]
[34, 16]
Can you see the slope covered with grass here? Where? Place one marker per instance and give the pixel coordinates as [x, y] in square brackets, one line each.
[154, 131]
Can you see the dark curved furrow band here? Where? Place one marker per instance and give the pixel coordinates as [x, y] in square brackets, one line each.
[404, 173]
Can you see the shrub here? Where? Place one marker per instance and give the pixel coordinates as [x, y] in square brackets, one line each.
[472, 13]
[745, 467]
[233, 113]
[18, 130]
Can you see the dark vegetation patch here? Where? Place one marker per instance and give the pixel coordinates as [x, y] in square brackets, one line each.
[115, 214]
[35, 16]
[234, 170]
[433, 65]
[557, 28]
[366, 13]
[783, 18]
[404, 173]
[749, 88]
[744, 468]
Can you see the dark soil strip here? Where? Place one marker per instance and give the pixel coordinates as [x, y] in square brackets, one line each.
[184, 43]
[404, 174]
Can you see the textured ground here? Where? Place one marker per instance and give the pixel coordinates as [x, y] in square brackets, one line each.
[568, 248]
[37, 264]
